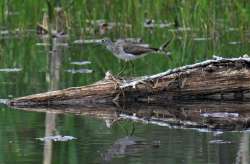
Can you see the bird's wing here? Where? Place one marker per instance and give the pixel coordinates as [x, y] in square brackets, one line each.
[137, 49]
[165, 45]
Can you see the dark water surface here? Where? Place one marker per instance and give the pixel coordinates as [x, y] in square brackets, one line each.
[32, 64]
[96, 143]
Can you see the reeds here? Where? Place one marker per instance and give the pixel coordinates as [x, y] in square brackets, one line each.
[200, 28]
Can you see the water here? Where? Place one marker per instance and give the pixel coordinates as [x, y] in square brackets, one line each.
[20, 131]
[32, 64]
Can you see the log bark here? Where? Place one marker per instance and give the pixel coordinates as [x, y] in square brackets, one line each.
[216, 79]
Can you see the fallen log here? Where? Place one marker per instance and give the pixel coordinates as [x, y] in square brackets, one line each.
[215, 79]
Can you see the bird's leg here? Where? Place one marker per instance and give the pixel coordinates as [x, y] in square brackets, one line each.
[133, 129]
[128, 65]
[123, 69]
[131, 66]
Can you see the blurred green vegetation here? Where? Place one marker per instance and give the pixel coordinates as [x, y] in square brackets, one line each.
[201, 15]
[200, 29]
[215, 23]
[19, 130]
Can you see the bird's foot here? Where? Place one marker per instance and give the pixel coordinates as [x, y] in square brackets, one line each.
[116, 79]
[117, 82]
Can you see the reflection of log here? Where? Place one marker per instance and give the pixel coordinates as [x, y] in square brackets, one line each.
[219, 79]
[180, 114]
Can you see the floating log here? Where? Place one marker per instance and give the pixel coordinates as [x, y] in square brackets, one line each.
[215, 79]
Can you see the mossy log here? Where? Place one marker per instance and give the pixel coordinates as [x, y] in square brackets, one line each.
[215, 79]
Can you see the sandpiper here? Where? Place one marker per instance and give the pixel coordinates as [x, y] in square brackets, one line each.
[128, 51]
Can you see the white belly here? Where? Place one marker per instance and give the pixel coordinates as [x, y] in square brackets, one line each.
[126, 57]
[119, 53]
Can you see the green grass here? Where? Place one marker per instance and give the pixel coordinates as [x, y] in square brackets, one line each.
[205, 19]
[221, 21]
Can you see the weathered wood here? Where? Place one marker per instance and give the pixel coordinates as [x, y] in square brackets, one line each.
[96, 93]
[217, 79]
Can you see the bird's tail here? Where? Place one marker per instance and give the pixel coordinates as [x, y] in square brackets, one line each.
[165, 45]
[163, 48]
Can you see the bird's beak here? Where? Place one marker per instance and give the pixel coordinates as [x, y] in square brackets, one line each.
[99, 41]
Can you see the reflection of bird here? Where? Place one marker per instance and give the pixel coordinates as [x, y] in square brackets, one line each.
[124, 146]
[127, 51]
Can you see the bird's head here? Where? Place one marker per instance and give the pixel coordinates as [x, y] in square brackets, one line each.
[107, 42]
